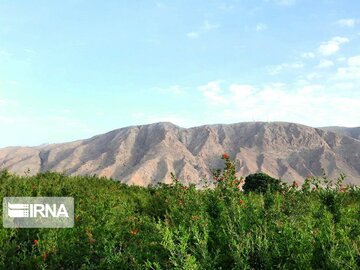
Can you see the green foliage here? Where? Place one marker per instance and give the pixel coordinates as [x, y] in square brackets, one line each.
[261, 182]
[313, 226]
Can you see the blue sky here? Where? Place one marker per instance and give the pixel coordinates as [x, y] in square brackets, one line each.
[73, 69]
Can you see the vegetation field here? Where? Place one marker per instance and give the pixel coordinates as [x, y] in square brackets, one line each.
[312, 226]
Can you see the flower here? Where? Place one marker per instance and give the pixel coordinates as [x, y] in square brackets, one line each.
[134, 232]
[92, 241]
[88, 233]
[90, 236]
[44, 256]
[35, 242]
[225, 156]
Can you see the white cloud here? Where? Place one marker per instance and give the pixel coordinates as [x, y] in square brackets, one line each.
[348, 73]
[308, 55]
[207, 26]
[213, 93]
[241, 91]
[7, 102]
[285, 2]
[204, 28]
[3, 102]
[272, 103]
[324, 63]
[6, 120]
[261, 27]
[160, 5]
[296, 65]
[30, 51]
[341, 59]
[344, 86]
[310, 89]
[271, 94]
[274, 70]
[354, 61]
[346, 22]
[310, 104]
[312, 76]
[332, 46]
[41, 128]
[173, 89]
[351, 71]
[226, 7]
[5, 53]
[193, 35]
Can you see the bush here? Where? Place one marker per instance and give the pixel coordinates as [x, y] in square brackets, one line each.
[261, 182]
[181, 227]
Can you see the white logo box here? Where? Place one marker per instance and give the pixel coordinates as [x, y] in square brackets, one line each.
[38, 212]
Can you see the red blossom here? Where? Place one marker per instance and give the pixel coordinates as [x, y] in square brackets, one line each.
[90, 236]
[92, 241]
[35, 242]
[88, 233]
[44, 256]
[225, 156]
[134, 232]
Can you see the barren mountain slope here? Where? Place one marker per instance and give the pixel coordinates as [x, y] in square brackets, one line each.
[350, 132]
[147, 154]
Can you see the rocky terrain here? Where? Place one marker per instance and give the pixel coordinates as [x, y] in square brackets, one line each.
[351, 132]
[147, 154]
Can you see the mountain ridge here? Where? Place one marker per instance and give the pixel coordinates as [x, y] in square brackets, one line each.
[147, 154]
[353, 132]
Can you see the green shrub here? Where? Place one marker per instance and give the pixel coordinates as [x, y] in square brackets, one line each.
[261, 182]
[181, 227]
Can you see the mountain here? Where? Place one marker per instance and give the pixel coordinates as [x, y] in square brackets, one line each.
[147, 154]
[350, 132]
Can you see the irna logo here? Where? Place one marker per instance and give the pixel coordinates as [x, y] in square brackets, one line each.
[38, 212]
[17, 210]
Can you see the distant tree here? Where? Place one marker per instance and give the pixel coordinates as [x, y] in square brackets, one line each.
[261, 182]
